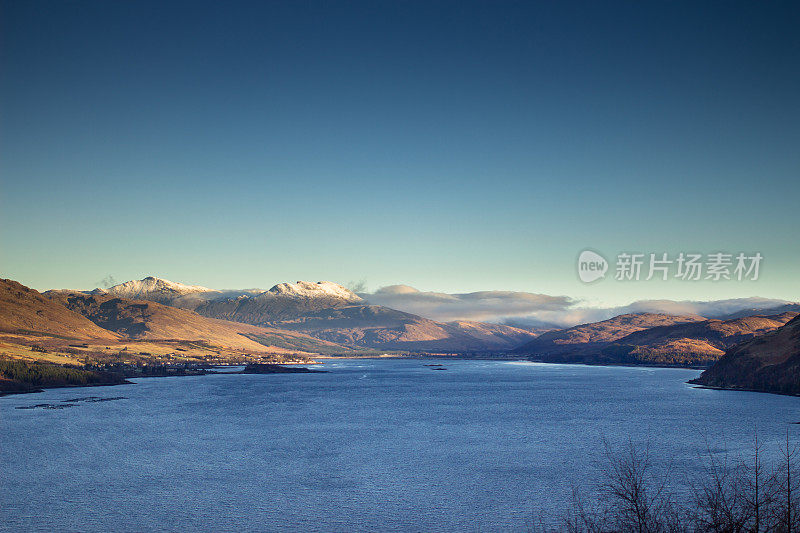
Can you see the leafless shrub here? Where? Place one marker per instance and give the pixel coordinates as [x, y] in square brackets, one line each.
[744, 495]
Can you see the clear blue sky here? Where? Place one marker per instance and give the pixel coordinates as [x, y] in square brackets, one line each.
[451, 146]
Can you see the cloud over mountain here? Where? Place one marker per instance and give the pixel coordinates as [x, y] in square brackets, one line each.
[513, 308]
[709, 309]
[525, 309]
[491, 306]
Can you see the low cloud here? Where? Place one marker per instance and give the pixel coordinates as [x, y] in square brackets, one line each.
[490, 306]
[532, 310]
[711, 309]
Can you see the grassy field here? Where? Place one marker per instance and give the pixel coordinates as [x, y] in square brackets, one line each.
[30, 361]
[57, 350]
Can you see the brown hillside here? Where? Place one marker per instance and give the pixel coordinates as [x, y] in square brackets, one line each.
[24, 310]
[695, 342]
[376, 327]
[718, 333]
[145, 320]
[595, 335]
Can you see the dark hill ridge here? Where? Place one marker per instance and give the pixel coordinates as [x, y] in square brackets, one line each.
[769, 363]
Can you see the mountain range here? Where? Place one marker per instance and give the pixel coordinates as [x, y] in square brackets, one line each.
[69, 327]
[328, 311]
[331, 312]
[158, 317]
[151, 321]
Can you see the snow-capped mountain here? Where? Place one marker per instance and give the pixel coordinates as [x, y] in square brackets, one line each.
[283, 301]
[320, 289]
[153, 289]
[322, 294]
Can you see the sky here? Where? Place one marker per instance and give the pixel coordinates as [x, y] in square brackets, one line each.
[451, 147]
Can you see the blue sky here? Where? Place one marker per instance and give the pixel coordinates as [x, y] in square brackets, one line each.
[449, 146]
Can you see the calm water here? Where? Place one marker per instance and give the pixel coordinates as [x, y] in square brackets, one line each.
[371, 445]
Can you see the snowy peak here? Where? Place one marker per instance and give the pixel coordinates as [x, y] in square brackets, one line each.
[194, 296]
[150, 286]
[320, 289]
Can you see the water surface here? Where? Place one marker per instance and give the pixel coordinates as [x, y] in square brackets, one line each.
[370, 445]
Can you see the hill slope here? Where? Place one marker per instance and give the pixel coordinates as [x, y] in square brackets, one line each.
[650, 339]
[693, 343]
[373, 326]
[769, 363]
[24, 310]
[582, 342]
[145, 320]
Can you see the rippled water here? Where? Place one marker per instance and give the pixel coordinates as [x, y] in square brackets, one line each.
[370, 445]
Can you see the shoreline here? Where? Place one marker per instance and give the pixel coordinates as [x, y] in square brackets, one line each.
[631, 365]
[294, 367]
[738, 389]
[255, 368]
[43, 388]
